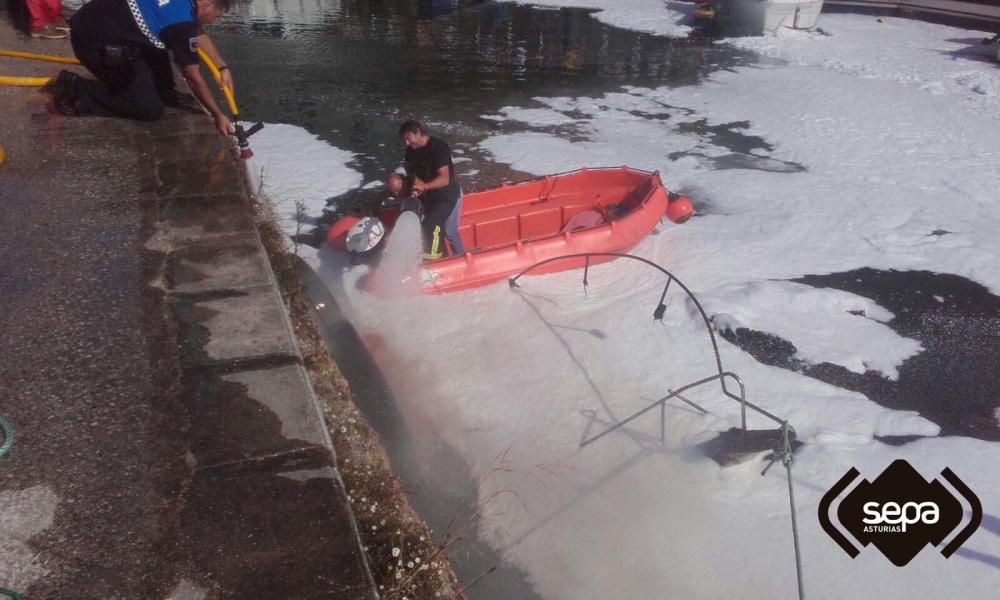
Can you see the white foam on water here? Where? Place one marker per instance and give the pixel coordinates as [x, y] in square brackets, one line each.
[660, 17]
[298, 188]
[825, 325]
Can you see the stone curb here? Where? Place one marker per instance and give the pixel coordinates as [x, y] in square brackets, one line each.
[233, 330]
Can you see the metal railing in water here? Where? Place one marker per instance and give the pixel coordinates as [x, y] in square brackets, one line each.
[721, 375]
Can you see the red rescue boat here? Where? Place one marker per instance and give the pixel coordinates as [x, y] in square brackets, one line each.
[508, 229]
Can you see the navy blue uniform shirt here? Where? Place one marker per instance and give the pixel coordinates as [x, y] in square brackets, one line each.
[169, 24]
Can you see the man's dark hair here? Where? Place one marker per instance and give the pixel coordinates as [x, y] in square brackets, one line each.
[410, 126]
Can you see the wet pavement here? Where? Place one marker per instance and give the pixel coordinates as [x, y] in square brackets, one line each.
[169, 444]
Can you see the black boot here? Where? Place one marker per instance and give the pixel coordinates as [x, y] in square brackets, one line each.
[65, 93]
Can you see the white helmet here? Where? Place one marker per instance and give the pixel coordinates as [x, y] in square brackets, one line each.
[365, 235]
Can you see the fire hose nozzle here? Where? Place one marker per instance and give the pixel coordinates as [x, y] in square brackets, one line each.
[410, 204]
[241, 138]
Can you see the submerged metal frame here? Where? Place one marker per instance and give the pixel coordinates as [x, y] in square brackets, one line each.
[720, 376]
[783, 453]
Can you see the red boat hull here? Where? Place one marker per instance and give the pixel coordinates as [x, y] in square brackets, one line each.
[508, 229]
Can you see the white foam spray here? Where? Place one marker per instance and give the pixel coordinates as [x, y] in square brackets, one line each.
[396, 274]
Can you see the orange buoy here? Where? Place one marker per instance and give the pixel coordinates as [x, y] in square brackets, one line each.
[680, 209]
[337, 235]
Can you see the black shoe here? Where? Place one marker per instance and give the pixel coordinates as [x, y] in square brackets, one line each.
[70, 81]
[65, 92]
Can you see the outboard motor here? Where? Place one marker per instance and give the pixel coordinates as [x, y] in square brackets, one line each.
[365, 235]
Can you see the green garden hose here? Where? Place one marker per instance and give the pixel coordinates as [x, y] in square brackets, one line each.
[6, 441]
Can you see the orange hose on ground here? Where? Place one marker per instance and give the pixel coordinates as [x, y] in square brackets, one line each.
[25, 81]
[68, 60]
[33, 81]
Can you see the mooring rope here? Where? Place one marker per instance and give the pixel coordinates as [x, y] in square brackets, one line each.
[787, 458]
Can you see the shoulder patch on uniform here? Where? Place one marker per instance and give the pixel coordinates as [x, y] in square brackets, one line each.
[193, 44]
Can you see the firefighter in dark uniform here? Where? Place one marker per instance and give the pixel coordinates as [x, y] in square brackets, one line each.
[428, 164]
[124, 43]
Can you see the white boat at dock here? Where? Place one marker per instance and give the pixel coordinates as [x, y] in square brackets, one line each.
[791, 14]
[729, 18]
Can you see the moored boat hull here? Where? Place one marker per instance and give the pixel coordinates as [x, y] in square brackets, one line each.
[534, 216]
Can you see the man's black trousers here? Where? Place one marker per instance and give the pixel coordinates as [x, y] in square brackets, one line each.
[436, 214]
[131, 80]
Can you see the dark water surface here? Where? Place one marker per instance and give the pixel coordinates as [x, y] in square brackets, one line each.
[350, 71]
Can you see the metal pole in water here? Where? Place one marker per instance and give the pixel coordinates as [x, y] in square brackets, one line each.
[787, 460]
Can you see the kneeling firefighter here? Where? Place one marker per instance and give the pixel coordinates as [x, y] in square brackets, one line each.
[125, 44]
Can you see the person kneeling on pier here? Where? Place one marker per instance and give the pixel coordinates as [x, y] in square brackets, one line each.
[398, 186]
[124, 43]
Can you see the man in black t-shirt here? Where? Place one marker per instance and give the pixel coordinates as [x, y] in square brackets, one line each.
[125, 43]
[428, 162]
